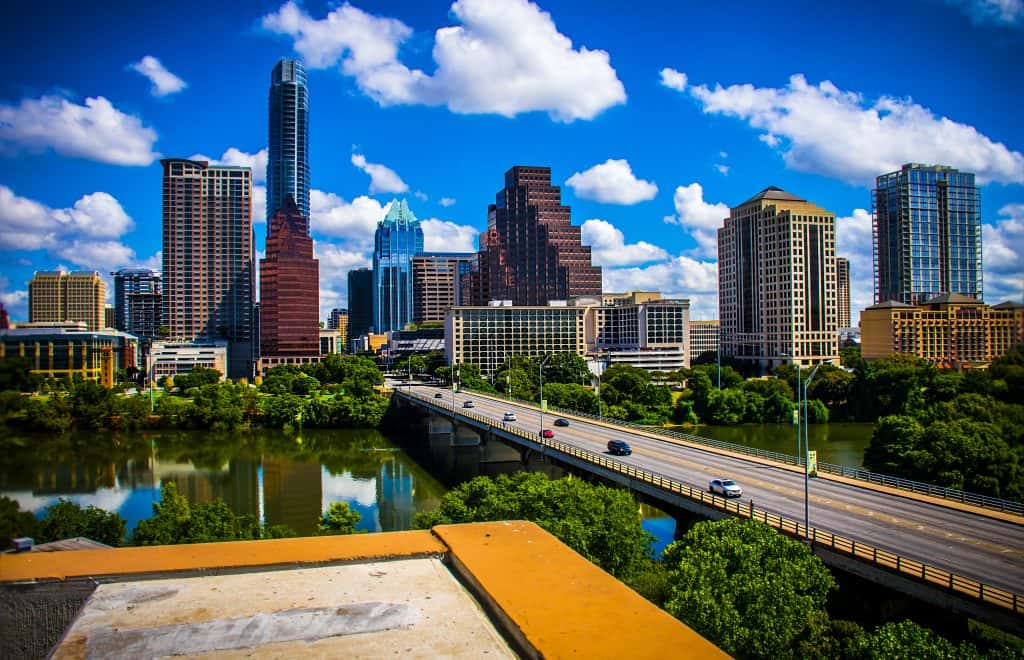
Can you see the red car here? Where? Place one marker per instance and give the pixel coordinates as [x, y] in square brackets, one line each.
[547, 433]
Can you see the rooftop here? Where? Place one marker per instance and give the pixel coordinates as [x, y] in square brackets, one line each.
[773, 192]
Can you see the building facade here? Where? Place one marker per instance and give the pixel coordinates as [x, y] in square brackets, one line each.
[337, 319]
[843, 293]
[950, 330]
[777, 281]
[641, 329]
[332, 341]
[398, 238]
[288, 139]
[360, 302]
[531, 253]
[437, 279]
[926, 225]
[208, 270]
[70, 349]
[129, 281]
[289, 287]
[168, 358]
[703, 338]
[57, 296]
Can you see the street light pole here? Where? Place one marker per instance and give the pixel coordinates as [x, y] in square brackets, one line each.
[540, 375]
[806, 456]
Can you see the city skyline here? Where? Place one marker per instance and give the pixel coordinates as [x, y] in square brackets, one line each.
[650, 146]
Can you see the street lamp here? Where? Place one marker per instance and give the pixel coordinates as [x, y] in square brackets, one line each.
[540, 375]
[802, 387]
[455, 365]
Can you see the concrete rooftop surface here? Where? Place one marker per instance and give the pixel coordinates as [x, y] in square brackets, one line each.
[485, 590]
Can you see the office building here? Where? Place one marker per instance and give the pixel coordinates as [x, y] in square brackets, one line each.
[288, 139]
[437, 283]
[289, 289]
[144, 315]
[531, 253]
[398, 238]
[332, 341]
[338, 319]
[640, 329]
[777, 281]
[950, 330]
[360, 302]
[843, 292]
[65, 350]
[128, 281]
[208, 270]
[926, 223]
[56, 297]
[169, 358]
[703, 339]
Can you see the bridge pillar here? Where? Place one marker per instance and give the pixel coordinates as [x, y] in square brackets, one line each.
[465, 436]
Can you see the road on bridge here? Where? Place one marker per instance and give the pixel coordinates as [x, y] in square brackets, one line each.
[968, 544]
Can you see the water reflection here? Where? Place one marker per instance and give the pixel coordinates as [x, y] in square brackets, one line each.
[280, 478]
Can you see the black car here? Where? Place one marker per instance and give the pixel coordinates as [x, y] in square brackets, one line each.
[439, 395]
[619, 448]
[561, 421]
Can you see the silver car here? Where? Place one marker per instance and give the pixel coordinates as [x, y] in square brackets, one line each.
[725, 487]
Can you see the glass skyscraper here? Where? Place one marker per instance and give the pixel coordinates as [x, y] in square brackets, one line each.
[927, 234]
[288, 144]
[398, 238]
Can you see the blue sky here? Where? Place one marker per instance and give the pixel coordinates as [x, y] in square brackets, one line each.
[654, 117]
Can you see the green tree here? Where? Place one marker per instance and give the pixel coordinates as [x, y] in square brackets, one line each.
[16, 374]
[198, 377]
[14, 523]
[817, 413]
[571, 396]
[600, 523]
[338, 519]
[745, 587]
[66, 519]
[566, 368]
[907, 639]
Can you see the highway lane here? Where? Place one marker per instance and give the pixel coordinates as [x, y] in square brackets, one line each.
[971, 545]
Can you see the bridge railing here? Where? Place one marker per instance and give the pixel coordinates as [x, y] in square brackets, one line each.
[861, 551]
[859, 474]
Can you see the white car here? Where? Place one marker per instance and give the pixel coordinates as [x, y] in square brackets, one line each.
[510, 417]
[725, 487]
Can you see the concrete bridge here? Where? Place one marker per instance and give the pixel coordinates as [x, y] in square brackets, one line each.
[960, 557]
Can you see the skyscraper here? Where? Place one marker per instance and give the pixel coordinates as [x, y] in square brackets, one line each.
[289, 289]
[843, 292]
[398, 238]
[208, 273]
[55, 297]
[927, 234]
[437, 283]
[777, 281]
[288, 143]
[360, 303]
[129, 281]
[531, 253]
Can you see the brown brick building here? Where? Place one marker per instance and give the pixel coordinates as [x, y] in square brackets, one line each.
[531, 253]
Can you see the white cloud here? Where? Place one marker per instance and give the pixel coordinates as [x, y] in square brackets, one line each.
[164, 82]
[608, 246]
[382, 179]
[825, 130]
[722, 169]
[853, 242]
[257, 162]
[14, 301]
[335, 262]
[1003, 255]
[998, 12]
[446, 236]
[94, 131]
[104, 256]
[259, 204]
[26, 224]
[446, 201]
[612, 182]
[701, 219]
[681, 277]
[673, 79]
[420, 195]
[353, 221]
[507, 57]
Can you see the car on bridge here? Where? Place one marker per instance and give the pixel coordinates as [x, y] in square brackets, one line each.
[547, 433]
[725, 487]
[619, 448]
[509, 417]
[561, 421]
[439, 395]
[467, 404]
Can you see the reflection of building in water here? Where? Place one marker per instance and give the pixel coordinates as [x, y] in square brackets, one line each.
[137, 473]
[78, 478]
[292, 494]
[237, 486]
[396, 488]
[241, 489]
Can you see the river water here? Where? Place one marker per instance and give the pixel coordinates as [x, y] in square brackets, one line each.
[290, 479]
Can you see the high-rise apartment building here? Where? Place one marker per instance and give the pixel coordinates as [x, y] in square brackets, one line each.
[360, 303]
[208, 271]
[398, 238]
[777, 281]
[338, 319]
[289, 289]
[437, 283]
[288, 140]
[531, 253]
[56, 296]
[129, 281]
[703, 338]
[927, 234]
[843, 292]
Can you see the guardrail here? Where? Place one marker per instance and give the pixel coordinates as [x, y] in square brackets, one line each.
[883, 559]
[859, 474]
